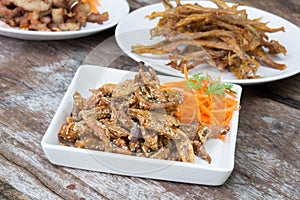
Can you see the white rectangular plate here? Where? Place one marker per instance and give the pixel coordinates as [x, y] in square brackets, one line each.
[89, 77]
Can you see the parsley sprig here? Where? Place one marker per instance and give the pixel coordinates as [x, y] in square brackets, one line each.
[212, 88]
[195, 81]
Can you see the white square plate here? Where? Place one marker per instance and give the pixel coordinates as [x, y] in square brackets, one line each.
[89, 77]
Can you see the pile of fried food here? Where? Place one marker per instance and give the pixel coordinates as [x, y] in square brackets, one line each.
[222, 37]
[50, 15]
[136, 117]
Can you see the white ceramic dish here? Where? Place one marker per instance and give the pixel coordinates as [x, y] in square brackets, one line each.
[89, 77]
[116, 13]
[134, 29]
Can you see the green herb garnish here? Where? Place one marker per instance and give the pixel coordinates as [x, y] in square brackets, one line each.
[195, 81]
[213, 88]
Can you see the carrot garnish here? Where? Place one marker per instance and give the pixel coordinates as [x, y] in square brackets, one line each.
[93, 5]
[185, 72]
[209, 102]
[222, 137]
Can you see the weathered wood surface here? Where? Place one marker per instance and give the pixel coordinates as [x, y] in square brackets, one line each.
[34, 77]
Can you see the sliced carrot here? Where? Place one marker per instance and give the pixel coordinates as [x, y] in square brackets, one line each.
[230, 93]
[93, 4]
[222, 137]
[185, 71]
[208, 110]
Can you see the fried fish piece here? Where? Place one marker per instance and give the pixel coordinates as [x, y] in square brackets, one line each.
[113, 120]
[50, 15]
[224, 38]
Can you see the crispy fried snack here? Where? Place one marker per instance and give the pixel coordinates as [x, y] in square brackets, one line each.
[50, 15]
[135, 117]
[223, 37]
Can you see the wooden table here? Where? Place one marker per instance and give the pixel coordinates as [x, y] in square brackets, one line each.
[34, 76]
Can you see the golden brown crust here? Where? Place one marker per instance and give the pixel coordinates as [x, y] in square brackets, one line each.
[111, 121]
[222, 37]
[49, 15]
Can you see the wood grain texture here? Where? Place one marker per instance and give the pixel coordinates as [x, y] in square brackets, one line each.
[35, 75]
